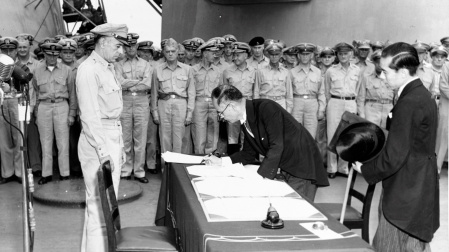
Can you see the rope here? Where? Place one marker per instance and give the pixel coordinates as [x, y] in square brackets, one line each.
[49, 8]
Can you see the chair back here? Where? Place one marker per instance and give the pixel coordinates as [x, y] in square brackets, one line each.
[109, 203]
[365, 199]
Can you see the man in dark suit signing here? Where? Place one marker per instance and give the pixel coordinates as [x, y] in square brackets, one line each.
[407, 165]
[271, 131]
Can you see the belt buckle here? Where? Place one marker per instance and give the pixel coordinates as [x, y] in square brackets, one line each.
[172, 96]
[208, 99]
[133, 93]
[53, 100]
[306, 97]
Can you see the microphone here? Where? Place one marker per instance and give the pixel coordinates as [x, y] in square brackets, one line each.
[22, 74]
[6, 69]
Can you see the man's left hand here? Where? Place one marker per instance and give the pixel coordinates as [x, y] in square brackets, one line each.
[70, 120]
[212, 160]
[357, 167]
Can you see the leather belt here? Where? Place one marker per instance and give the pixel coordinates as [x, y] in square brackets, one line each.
[381, 101]
[305, 96]
[12, 95]
[343, 98]
[135, 93]
[172, 96]
[272, 97]
[55, 100]
[203, 99]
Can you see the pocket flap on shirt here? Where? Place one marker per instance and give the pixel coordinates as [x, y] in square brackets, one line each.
[181, 77]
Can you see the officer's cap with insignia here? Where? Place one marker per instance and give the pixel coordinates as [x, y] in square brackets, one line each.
[89, 44]
[8, 43]
[439, 50]
[38, 52]
[46, 40]
[445, 41]
[59, 37]
[76, 38]
[240, 47]
[219, 42]
[274, 48]
[377, 45]
[68, 44]
[364, 44]
[291, 50]
[211, 45]
[145, 45]
[343, 47]
[305, 48]
[268, 42]
[327, 51]
[190, 44]
[200, 41]
[26, 36]
[51, 48]
[376, 55]
[256, 41]
[421, 47]
[132, 38]
[85, 37]
[118, 31]
[229, 38]
[163, 43]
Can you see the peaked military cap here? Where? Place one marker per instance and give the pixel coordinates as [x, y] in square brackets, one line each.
[59, 37]
[420, 46]
[444, 40]
[190, 44]
[211, 45]
[38, 52]
[26, 36]
[163, 43]
[274, 48]
[68, 44]
[377, 45]
[256, 41]
[439, 50]
[51, 48]
[118, 31]
[200, 41]
[8, 42]
[364, 44]
[291, 50]
[343, 47]
[219, 42]
[132, 38]
[268, 42]
[46, 40]
[305, 48]
[229, 38]
[89, 44]
[327, 51]
[239, 47]
[145, 45]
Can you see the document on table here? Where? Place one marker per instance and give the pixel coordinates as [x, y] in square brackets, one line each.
[325, 233]
[173, 157]
[234, 170]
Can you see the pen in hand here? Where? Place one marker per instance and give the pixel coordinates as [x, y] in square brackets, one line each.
[208, 155]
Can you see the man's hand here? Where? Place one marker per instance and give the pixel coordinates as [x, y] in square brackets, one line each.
[156, 121]
[212, 160]
[357, 167]
[70, 120]
[187, 122]
[320, 115]
[107, 158]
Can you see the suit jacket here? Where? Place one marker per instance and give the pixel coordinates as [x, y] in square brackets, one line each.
[284, 142]
[407, 164]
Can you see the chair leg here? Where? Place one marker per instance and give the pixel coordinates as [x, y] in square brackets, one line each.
[365, 233]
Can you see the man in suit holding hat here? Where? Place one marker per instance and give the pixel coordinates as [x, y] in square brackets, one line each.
[100, 103]
[273, 132]
[407, 164]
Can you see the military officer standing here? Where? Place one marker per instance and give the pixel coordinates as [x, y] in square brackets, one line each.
[309, 101]
[190, 46]
[172, 98]
[206, 77]
[363, 50]
[242, 76]
[274, 81]
[258, 59]
[341, 88]
[229, 39]
[327, 57]
[10, 157]
[100, 104]
[134, 75]
[290, 54]
[145, 51]
[375, 99]
[424, 71]
[377, 45]
[181, 53]
[55, 109]
[218, 60]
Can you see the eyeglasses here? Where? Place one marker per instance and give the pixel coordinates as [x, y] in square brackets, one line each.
[220, 116]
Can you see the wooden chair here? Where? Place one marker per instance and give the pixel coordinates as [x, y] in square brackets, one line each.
[353, 218]
[149, 238]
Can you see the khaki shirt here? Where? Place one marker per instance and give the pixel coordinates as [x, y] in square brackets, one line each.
[54, 84]
[341, 82]
[135, 72]
[222, 65]
[32, 63]
[243, 80]
[99, 97]
[205, 79]
[258, 64]
[436, 87]
[427, 76]
[307, 81]
[177, 81]
[363, 65]
[372, 87]
[274, 82]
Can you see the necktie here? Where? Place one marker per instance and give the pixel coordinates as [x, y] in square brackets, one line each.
[248, 129]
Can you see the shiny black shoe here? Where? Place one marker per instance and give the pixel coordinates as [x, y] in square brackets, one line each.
[126, 178]
[19, 180]
[44, 180]
[341, 174]
[64, 178]
[331, 175]
[6, 180]
[153, 171]
[37, 173]
[141, 180]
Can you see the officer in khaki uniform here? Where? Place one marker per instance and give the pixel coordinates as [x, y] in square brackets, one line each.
[424, 71]
[10, 157]
[100, 103]
[242, 76]
[172, 98]
[190, 46]
[274, 81]
[258, 59]
[218, 60]
[375, 99]
[229, 39]
[377, 45]
[134, 75]
[55, 109]
[363, 50]
[291, 59]
[341, 88]
[145, 50]
[206, 77]
[309, 101]
[87, 42]
[69, 47]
